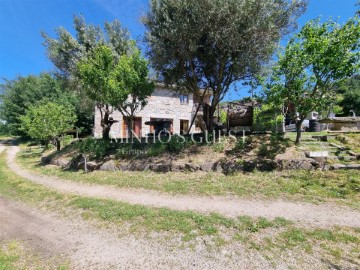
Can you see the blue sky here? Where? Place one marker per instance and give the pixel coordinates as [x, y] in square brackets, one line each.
[21, 21]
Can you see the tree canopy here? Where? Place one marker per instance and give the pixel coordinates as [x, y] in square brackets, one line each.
[69, 52]
[210, 44]
[320, 55]
[21, 93]
[66, 51]
[113, 83]
[349, 91]
[47, 122]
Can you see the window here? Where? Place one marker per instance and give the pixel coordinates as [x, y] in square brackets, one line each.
[184, 99]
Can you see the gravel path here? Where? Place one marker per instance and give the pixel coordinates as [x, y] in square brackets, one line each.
[87, 247]
[323, 215]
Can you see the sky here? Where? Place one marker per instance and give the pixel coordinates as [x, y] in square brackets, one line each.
[21, 22]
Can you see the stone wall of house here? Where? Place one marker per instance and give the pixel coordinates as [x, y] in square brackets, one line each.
[163, 103]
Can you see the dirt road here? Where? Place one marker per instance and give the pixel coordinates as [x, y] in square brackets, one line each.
[88, 247]
[323, 215]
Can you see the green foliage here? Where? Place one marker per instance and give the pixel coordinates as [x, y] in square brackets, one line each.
[5, 129]
[155, 149]
[96, 148]
[265, 120]
[317, 57]
[47, 121]
[131, 75]
[348, 91]
[97, 75]
[21, 93]
[223, 116]
[176, 144]
[207, 44]
[66, 51]
[120, 83]
[263, 150]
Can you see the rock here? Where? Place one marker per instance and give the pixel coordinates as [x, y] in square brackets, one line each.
[319, 162]
[90, 165]
[160, 167]
[75, 163]
[177, 167]
[211, 166]
[356, 155]
[191, 167]
[266, 165]
[345, 167]
[123, 167]
[249, 166]
[61, 162]
[337, 167]
[295, 164]
[46, 160]
[231, 166]
[217, 167]
[138, 166]
[317, 154]
[109, 166]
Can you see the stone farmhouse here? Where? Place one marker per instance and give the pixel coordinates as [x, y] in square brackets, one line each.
[164, 107]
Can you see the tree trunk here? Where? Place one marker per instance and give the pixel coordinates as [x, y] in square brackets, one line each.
[58, 144]
[106, 125]
[298, 131]
[209, 111]
[130, 121]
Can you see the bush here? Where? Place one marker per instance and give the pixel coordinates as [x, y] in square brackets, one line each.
[176, 144]
[263, 150]
[156, 149]
[242, 144]
[96, 147]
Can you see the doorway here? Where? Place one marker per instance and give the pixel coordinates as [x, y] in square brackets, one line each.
[184, 126]
[136, 126]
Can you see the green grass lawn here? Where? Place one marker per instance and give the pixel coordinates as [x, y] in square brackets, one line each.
[313, 186]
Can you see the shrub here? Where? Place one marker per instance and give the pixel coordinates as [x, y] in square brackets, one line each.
[176, 144]
[241, 144]
[156, 149]
[96, 147]
[263, 150]
[123, 150]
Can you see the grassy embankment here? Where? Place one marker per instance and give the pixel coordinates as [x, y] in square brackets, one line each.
[341, 187]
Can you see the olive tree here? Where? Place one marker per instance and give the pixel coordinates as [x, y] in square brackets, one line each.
[320, 55]
[211, 44]
[66, 50]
